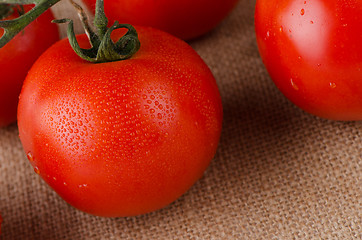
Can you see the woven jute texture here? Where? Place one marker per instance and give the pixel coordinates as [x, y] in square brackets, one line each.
[279, 173]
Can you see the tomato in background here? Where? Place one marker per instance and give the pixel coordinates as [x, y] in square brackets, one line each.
[121, 138]
[313, 52]
[16, 58]
[185, 19]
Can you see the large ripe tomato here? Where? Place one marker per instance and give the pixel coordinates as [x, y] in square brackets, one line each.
[121, 138]
[18, 56]
[185, 19]
[313, 52]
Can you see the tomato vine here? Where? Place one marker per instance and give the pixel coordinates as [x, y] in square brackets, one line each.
[14, 26]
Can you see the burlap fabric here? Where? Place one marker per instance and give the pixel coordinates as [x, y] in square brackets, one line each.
[279, 172]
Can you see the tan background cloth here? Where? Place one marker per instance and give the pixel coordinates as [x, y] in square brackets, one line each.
[279, 172]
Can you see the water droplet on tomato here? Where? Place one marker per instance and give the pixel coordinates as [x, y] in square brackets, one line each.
[332, 85]
[281, 29]
[302, 11]
[30, 156]
[293, 84]
[36, 170]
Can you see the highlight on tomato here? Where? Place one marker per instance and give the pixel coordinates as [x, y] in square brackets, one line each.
[123, 125]
[313, 53]
[186, 19]
[17, 56]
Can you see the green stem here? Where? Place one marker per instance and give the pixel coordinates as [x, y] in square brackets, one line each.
[100, 19]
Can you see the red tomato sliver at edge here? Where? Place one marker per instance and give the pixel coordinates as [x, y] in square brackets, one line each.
[16, 58]
[313, 52]
[121, 138]
[185, 19]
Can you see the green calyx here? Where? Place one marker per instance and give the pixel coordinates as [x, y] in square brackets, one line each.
[103, 48]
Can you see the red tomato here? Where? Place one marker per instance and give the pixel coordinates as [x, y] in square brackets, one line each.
[17, 57]
[121, 138]
[313, 52]
[185, 19]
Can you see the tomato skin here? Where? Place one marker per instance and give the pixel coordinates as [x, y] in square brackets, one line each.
[121, 138]
[185, 19]
[17, 57]
[313, 53]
